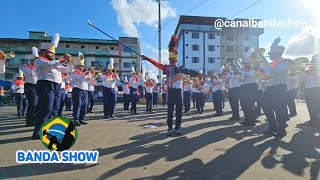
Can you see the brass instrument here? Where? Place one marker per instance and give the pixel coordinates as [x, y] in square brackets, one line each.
[258, 60]
[11, 55]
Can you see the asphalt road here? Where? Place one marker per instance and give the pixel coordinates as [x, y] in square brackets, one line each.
[210, 148]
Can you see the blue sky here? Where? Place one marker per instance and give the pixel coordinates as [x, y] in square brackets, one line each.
[69, 18]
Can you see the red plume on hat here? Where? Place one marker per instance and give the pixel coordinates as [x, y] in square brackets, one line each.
[173, 44]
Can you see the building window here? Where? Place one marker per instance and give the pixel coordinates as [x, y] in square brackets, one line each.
[82, 47]
[195, 35]
[229, 60]
[246, 49]
[246, 37]
[24, 61]
[195, 47]
[67, 46]
[97, 47]
[9, 75]
[75, 47]
[126, 65]
[186, 32]
[211, 60]
[230, 37]
[95, 64]
[211, 48]
[230, 49]
[187, 44]
[90, 49]
[195, 59]
[211, 36]
[112, 48]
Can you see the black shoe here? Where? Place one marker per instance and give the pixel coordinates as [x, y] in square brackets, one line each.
[112, 116]
[35, 137]
[106, 117]
[169, 132]
[269, 131]
[234, 118]
[281, 134]
[247, 124]
[90, 112]
[135, 113]
[29, 125]
[218, 114]
[83, 122]
[77, 124]
[177, 132]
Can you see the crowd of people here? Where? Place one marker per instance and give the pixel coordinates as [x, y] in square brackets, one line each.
[46, 86]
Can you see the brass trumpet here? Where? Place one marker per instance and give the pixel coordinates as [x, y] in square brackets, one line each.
[258, 60]
[5, 55]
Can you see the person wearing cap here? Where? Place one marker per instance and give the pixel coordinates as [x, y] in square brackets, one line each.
[187, 86]
[68, 88]
[234, 93]
[109, 97]
[312, 90]
[259, 99]
[164, 88]
[80, 81]
[91, 89]
[31, 79]
[134, 81]
[174, 76]
[126, 94]
[275, 95]
[217, 89]
[249, 90]
[155, 94]
[293, 84]
[149, 85]
[17, 88]
[49, 83]
[2, 62]
[62, 94]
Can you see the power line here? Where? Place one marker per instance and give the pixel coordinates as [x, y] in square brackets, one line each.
[188, 11]
[246, 8]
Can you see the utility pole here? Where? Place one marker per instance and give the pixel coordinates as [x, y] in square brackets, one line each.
[159, 31]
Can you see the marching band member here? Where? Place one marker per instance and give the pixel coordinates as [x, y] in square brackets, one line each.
[2, 62]
[234, 94]
[155, 93]
[187, 86]
[261, 87]
[91, 89]
[312, 91]
[249, 89]
[199, 90]
[31, 79]
[68, 88]
[126, 94]
[80, 81]
[17, 88]
[149, 93]
[164, 91]
[174, 76]
[275, 95]
[49, 82]
[134, 91]
[217, 89]
[293, 84]
[2, 94]
[62, 94]
[109, 98]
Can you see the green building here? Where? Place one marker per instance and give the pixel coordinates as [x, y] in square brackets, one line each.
[97, 52]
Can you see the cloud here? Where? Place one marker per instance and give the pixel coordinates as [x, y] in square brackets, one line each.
[131, 13]
[306, 43]
[154, 55]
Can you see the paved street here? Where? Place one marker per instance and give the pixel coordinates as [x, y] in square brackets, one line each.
[210, 148]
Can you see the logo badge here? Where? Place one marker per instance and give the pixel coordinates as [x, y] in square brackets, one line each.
[58, 134]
